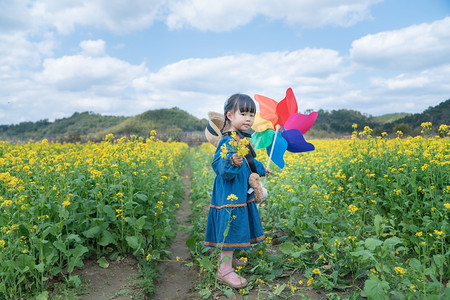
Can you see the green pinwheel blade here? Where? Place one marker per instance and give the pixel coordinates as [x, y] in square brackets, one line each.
[262, 139]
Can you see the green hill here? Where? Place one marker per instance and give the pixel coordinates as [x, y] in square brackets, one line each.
[333, 123]
[437, 115]
[165, 120]
[78, 124]
[96, 125]
[388, 118]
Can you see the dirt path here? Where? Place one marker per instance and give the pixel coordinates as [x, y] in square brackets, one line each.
[177, 280]
[114, 282]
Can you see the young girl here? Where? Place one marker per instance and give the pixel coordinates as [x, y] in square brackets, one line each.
[232, 204]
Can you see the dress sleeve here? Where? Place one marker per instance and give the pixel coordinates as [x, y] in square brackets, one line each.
[260, 168]
[223, 166]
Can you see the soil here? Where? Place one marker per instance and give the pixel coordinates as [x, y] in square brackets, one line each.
[114, 282]
[176, 281]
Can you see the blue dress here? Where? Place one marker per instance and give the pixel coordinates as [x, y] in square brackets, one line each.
[242, 214]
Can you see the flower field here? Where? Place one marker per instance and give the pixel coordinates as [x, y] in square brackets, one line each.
[61, 203]
[360, 217]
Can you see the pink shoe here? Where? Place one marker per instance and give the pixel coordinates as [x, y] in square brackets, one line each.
[232, 279]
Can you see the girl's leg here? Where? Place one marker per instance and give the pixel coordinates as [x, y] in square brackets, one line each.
[226, 266]
[226, 272]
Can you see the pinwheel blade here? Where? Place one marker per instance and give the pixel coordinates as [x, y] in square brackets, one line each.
[267, 108]
[296, 142]
[261, 124]
[301, 122]
[262, 139]
[286, 107]
[278, 150]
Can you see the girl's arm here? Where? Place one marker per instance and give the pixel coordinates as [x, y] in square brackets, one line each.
[223, 166]
[261, 169]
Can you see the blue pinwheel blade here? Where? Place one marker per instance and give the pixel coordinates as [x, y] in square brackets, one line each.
[278, 151]
[296, 142]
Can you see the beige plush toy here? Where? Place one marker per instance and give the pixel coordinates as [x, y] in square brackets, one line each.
[260, 192]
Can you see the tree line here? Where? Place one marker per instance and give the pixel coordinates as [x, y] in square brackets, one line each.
[332, 123]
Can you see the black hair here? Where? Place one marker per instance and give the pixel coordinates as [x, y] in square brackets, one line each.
[238, 101]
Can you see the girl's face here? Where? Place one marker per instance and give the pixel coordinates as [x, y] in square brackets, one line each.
[240, 120]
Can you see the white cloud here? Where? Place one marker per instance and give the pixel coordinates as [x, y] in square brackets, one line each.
[16, 50]
[93, 48]
[116, 16]
[225, 15]
[200, 85]
[410, 48]
[79, 73]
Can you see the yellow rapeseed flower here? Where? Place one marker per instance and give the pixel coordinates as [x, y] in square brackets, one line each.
[232, 197]
[352, 208]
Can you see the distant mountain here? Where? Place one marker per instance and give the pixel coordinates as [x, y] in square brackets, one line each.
[388, 118]
[335, 123]
[89, 123]
[437, 115]
[165, 120]
[78, 124]
[339, 122]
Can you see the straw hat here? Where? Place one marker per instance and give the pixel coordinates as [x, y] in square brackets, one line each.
[215, 124]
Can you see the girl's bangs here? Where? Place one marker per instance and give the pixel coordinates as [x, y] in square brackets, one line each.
[246, 104]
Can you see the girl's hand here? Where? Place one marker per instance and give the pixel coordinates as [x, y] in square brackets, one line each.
[267, 172]
[236, 160]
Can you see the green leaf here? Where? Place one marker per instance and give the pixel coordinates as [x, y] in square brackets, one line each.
[75, 260]
[106, 239]
[229, 293]
[24, 262]
[109, 211]
[372, 243]
[376, 289]
[191, 243]
[92, 232]
[280, 290]
[60, 246]
[378, 222]
[75, 281]
[141, 197]
[78, 251]
[288, 248]
[364, 254]
[42, 296]
[133, 242]
[74, 237]
[40, 267]
[415, 263]
[102, 262]
[390, 242]
[140, 222]
[317, 246]
[206, 263]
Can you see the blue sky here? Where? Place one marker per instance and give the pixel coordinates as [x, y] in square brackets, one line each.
[126, 57]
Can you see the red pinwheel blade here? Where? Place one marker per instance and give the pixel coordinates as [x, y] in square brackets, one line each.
[286, 107]
[301, 122]
[296, 142]
[267, 108]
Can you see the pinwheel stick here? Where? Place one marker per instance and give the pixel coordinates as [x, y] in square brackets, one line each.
[271, 150]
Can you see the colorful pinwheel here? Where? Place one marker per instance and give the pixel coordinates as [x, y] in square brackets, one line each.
[279, 127]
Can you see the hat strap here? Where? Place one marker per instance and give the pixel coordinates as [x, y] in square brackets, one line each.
[211, 130]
